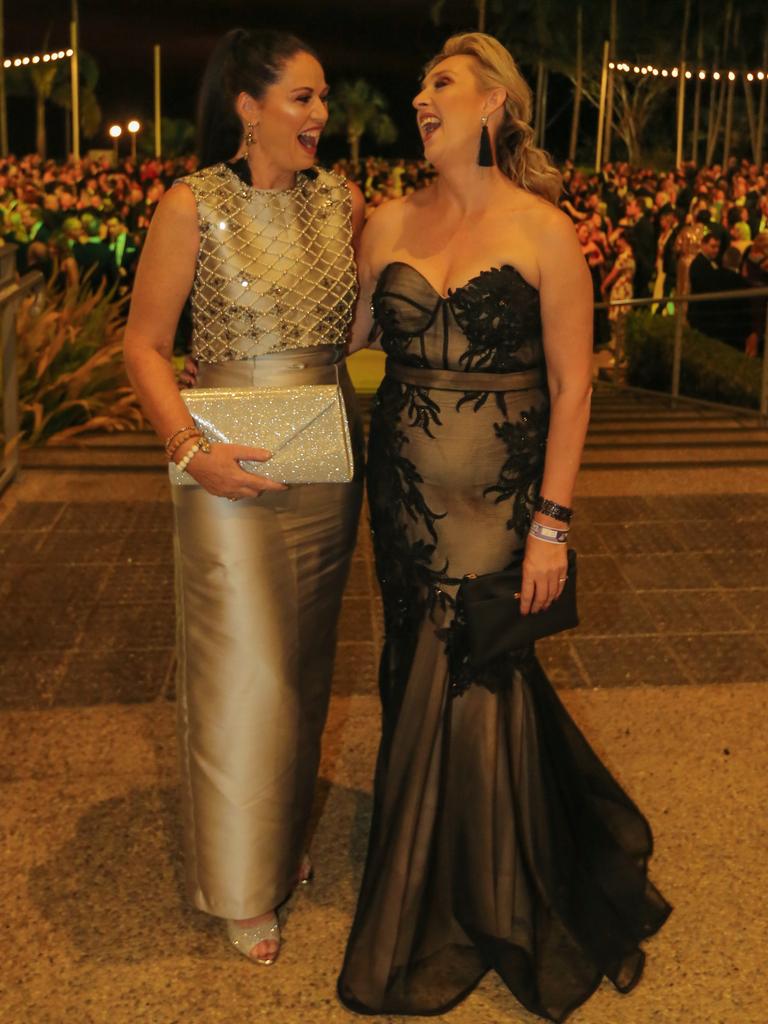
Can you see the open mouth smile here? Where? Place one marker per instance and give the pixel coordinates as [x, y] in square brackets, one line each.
[428, 125]
[309, 140]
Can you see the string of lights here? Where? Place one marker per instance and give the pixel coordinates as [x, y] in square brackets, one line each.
[37, 58]
[701, 73]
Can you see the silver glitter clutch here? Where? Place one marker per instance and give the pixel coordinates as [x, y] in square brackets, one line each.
[305, 427]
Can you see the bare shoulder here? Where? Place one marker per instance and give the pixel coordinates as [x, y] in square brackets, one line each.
[358, 199]
[545, 219]
[178, 205]
[385, 221]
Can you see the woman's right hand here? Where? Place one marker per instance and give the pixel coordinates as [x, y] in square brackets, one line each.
[221, 474]
[188, 376]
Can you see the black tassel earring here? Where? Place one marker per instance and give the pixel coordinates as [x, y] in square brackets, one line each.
[485, 153]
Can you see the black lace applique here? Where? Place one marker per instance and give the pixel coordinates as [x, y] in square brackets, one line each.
[520, 476]
[423, 410]
[408, 580]
[498, 311]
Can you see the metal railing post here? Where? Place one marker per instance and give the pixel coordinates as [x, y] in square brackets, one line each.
[764, 388]
[677, 351]
[681, 318]
[9, 455]
[618, 351]
[10, 293]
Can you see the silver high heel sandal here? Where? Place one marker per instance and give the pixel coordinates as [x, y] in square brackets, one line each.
[244, 939]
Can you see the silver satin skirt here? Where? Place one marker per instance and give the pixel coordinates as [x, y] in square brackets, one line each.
[259, 585]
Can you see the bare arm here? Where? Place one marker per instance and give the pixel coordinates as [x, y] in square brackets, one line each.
[366, 275]
[566, 311]
[163, 282]
[358, 215]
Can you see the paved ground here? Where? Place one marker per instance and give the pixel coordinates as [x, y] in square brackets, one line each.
[666, 675]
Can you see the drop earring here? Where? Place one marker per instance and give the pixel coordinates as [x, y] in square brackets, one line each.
[249, 134]
[485, 153]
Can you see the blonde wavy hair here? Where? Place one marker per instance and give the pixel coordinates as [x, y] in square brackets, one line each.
[517, 157]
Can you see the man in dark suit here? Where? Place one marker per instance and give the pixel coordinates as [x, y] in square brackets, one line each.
[92, 255]
[727, 320]
[642, 237]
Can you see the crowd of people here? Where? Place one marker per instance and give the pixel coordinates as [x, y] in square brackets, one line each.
[644, 233]
[668, 235]
[83, 223]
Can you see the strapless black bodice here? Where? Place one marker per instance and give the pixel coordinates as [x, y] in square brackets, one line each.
[491, 324]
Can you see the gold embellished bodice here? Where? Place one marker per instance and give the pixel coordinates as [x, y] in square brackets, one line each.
[275, 269]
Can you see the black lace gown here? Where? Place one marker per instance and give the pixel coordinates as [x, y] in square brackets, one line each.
[499, 840]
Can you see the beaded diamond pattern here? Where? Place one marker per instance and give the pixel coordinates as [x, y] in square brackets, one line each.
[275, 269]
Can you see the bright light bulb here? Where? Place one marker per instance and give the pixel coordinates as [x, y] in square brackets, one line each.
[731, 76]
[674, 72]
[25, 61]
[115, 131]
[688, 74]
[611, 65]
[760, 75]
[664, 73]
[716, 75]
[702, 74]
[46, 58]
[750, 77]
[133, 126]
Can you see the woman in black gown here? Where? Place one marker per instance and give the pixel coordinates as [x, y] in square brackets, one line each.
[499, 840]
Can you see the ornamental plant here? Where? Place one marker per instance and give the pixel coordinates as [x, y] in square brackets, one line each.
[72, 378]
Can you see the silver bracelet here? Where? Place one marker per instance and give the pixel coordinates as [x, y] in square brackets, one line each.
[548, 533]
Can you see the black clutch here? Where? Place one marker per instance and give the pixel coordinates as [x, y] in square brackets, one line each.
[490, 607]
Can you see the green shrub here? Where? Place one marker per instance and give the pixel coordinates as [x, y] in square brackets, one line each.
[70, 365]
[709, 369]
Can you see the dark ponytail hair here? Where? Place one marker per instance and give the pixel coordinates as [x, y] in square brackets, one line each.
[242, 61]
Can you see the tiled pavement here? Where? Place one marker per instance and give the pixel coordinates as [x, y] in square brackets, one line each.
[666, 675]
[673, 590]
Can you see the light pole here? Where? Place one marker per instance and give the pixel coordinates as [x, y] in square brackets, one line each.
[134, 127]
[115, 132]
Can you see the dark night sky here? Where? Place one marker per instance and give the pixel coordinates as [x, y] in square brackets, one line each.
[387, 42]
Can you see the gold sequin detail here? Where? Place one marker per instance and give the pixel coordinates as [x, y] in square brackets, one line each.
[275, 269]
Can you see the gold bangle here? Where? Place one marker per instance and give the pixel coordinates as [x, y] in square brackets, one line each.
[170, 452]
[176, 433]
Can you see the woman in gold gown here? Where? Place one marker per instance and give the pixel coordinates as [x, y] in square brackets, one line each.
[499, 840]
[264, 244]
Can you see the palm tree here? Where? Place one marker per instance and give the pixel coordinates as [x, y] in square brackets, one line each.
[356, 108]
[49, 82]
[61, 95]
[42, 77]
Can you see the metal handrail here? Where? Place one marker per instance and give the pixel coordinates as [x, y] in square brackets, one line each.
[11, 292]
[681, 303]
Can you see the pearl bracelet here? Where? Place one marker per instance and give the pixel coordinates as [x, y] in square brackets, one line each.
[185, 461]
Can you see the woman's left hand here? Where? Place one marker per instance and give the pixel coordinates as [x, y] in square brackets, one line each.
[545, 569]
